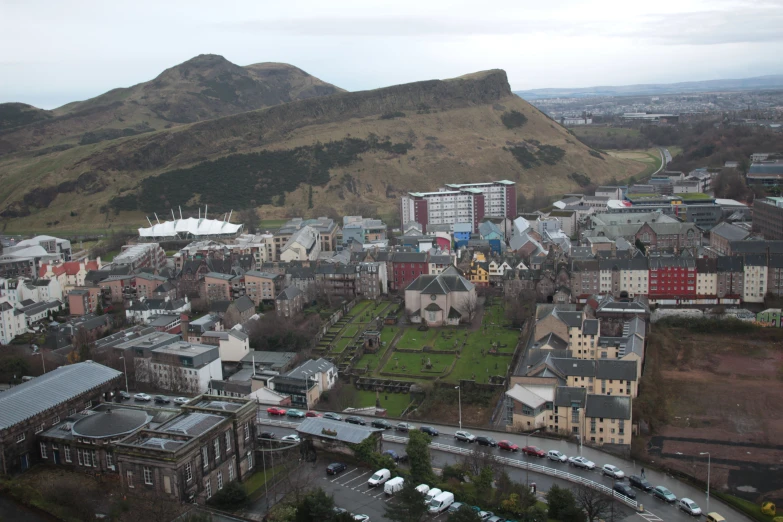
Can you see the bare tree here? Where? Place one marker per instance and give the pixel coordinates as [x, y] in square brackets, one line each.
[249, 218]
[470, 306]
[595, 505]
[481, 457]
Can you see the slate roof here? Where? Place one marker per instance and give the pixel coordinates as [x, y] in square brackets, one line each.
[51, 389]
[289, 293]
[553, 340]
[729, 232]
[311, 367]
[565, 396]
[756, 247]
[409, 257]
[730, 264]
[608, 407]
[600, 368]
[244, 304]
[446, 282]
[344, 432]
[590, 327]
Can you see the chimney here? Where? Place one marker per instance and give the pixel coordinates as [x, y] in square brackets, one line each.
[185, 324]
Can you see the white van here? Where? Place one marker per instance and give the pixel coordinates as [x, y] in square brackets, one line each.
[441, 502]
[434, 492]
[423, 489]
[393, 486]
[380, 476]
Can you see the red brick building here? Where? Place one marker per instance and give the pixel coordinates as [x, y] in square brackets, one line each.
[672, 277]
[407, 266]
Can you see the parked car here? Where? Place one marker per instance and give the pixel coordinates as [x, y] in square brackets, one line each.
[432, 493]
[485, 515]
[533, 451]
[640, 483]
[291, 438]
[355, 420]
[464, 436]
[404, 427]
[125, 396]
[714, 517]
[661, 493]
[429, 430]
[382, 424]
[162, 399]
[496, 518]
[455, 506]
[486, 441]
[296, 414]
[396, 457]
[142, 397]
[313, 414]
[379, 477]
[441, 503]
[361, 518]
[557, 456]
[624, 489]
[332, 416]
[335, 468]
[423, 489]
[508, 446]
[581, 462]
[393, 486]
[613, 471]
[689, 506]
[181, 400]
[274, 410]
[266, 435]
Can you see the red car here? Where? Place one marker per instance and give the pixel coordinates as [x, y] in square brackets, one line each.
[275, 411]
[312, 414]
[507, 445]
[533, 451]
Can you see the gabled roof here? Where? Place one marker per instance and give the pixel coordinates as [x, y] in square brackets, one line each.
[446, 282]
[729, 232]
[534, 396]
[289, 293]
[566, 396]
[311, 367]
[51, 389]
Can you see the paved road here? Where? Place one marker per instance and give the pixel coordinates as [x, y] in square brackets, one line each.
[600, 458]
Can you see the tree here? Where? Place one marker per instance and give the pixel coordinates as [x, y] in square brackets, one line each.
[594, 504]
[419, 457]
[535, 513]
[464, 514]
[481, 457]
[310, 197]
[316, 505]
[99, 307]
[470, 306]
[559, 501]
[233, 495]
[409, 505]
[483, 483]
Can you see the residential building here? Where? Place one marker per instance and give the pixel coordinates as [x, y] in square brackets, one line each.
[177, 366]
[672, 276]
[768, 173]
[363, 230]
[326, 228]
[33, 406]
[585, 277]
[263, 286]
[406, 267]
[40, 290]
[306, 383]
[82, 301]
[139, 311]
[193, 455]
[706, 277]
[755, 278]
[723, 234]
[731, 277]
[13, 321]
[437, 300]
[218, 287]
[235, 312]
[768, 217]
[463, 203]
[69, 274]
[234, 344]
[290, 302]
[146, 285]
[303, 245]
[141, 255]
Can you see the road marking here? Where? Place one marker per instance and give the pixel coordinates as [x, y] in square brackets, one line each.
[345, 475]
[355, 478]
[378, 495]
[650, 517]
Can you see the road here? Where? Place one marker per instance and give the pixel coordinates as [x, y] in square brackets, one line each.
[680, 489]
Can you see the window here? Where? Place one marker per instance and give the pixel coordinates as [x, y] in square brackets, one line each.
[228, 441]
[231, 472]
[129, 478]
[79, 456]
[72, 411]
[188, 472]
[216, 442]
[43, 450]
[109, 459]
[20, 437]
[94, 458]
[39, 428]
[208, 488]
[67, 453]
[249, 459]
[247, 430]
[205, 456]
[220, 480]
[56, 419]
[148, 475]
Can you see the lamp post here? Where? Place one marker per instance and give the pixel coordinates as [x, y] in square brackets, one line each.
[709, 458]
[527, 467]
[125, 371]
[459, 399]
[43, 360]
[307, 391]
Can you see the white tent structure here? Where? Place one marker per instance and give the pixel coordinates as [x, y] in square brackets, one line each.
[192, 228]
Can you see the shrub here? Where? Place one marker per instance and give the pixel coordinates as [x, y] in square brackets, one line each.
[550, 154]
[581, 179]
[392, 115]
[525, 158]
[232, 495]
[513, 119]
[596, 154]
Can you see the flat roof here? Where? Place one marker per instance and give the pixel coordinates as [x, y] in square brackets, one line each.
[185, 348]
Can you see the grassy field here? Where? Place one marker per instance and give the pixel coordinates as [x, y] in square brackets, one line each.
[651, 158]
[413, 339]
[372, 360]
[394, 403]
[388, 333]
[351, 330]
[271, 224]
[342, 344]
[675, 151]
[358, 308]
[446, 338]
[411, 364]
[604, 131]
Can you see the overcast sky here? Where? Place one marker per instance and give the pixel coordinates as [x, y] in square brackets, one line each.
[56, 51]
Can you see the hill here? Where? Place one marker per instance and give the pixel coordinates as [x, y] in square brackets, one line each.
[336, 154]
[743, 84]
[203, 88]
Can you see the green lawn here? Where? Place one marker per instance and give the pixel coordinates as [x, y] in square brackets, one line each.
[447, 336]
[388, 333]
[359, 308]
[411, 364]
[258, 479]
[471, 363]
[495, 315]
[371, 360]
[351, 330]
[109, 256]
[271, 224]
[394, 405]
[501, 336]
[341, 345]
[413, 339]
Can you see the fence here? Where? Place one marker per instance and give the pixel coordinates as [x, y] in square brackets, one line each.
[536, 468]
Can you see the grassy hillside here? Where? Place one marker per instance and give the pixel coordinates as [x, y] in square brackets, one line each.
[203, 88]
[340, 153]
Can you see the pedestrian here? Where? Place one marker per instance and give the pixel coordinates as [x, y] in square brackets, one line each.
[643, 473]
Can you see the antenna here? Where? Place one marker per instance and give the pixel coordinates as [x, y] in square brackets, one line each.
[156, 219]
[180, 212]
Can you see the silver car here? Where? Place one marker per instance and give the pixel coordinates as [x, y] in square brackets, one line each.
[464, 436]
[557, 456]
[689, 506]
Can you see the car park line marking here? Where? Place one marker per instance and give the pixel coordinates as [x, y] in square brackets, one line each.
[345, 475]
[379, 494]
[355, 478]
[650, 517]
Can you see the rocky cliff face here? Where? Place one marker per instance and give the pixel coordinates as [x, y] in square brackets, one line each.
[262, 127]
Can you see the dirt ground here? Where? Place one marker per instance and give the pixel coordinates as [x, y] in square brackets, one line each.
[724, 396]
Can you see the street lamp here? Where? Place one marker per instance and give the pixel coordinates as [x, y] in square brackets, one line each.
[125, 371]
[43, 360]
[527, 468]
[459, 398]
[709, 458]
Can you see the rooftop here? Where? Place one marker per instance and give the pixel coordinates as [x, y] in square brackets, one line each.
[335, 430]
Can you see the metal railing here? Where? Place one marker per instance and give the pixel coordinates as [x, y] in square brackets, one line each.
[521, 464]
